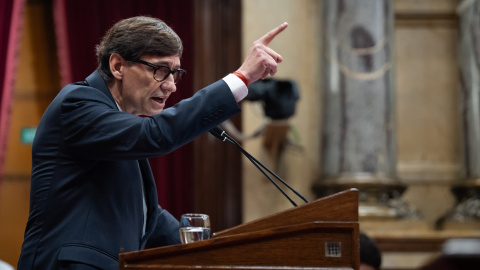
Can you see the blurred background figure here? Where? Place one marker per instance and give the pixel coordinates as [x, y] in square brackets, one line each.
[5, 266]
[370, 255]
[457, 254]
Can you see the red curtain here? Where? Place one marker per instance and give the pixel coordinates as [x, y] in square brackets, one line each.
[79, 26]
[10, 29]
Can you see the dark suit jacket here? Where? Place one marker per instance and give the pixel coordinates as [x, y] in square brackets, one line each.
[89, 160]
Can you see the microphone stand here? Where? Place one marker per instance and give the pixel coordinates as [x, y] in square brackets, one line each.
[222, 135]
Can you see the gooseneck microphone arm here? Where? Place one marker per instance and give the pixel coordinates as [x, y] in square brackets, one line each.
[222, 135]
[268, 170]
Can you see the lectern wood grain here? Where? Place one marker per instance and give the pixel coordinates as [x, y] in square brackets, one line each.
[342, 206]
[294, 239]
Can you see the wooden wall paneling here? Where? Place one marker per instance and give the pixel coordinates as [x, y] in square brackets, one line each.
[36, 84]
[217, 168]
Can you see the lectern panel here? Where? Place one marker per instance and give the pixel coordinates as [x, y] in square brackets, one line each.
[313, 245]
[320, 235]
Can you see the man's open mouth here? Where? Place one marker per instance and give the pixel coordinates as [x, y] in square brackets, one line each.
[158, 99]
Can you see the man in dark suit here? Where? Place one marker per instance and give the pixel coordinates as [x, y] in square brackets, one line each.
[92, 191]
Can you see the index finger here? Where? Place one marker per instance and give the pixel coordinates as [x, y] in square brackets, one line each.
[268, 37]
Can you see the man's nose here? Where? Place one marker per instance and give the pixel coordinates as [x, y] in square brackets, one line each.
[169, 84]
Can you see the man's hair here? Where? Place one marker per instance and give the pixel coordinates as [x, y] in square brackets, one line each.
[369, 252]
[134, 37]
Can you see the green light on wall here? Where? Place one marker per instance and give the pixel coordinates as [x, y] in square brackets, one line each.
[27, 134]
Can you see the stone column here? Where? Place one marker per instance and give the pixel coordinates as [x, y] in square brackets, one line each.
[466, 214]
[358, 102]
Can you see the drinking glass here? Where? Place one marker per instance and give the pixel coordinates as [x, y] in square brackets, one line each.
[194, 227]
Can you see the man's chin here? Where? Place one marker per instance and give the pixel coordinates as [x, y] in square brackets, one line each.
[148, 114]
[157, 112]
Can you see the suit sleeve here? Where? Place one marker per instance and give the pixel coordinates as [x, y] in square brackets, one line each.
[166, 231]
[94, 128]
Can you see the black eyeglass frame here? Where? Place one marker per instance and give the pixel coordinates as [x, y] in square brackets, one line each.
[170, 71]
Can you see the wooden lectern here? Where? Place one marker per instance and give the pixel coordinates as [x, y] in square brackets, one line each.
[319, 235]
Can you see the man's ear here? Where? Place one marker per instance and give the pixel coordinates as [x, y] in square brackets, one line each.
[116, 65]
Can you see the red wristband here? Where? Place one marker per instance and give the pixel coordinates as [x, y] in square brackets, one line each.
[240, 75]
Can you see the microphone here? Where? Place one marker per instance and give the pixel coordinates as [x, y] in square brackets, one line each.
[223, 136]
[219, 133]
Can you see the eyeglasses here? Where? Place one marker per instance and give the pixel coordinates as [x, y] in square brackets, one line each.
[161, 73]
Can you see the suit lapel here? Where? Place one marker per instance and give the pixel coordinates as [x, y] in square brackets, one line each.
[149, 185]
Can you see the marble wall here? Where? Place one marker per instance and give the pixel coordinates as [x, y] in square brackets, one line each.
[299, 44]
[427, 111]
[427, 105]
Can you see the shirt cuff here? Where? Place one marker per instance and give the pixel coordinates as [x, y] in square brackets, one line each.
[238, 88]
